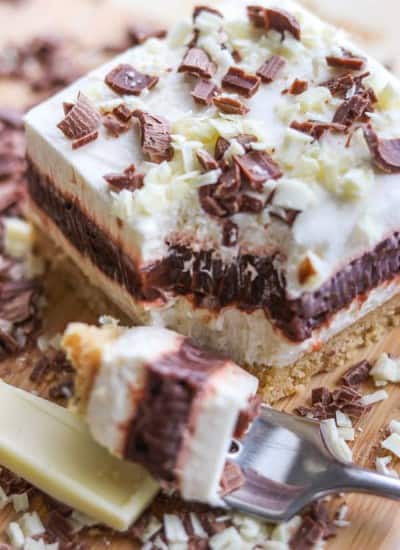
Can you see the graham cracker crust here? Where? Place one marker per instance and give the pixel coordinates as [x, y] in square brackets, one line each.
[275, 383]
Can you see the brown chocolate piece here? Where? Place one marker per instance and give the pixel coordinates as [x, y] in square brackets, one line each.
[126, 80]
[271, 68]
[241, 82]
[123, 112]
[258, 167]
[198, 62]
[305, 271]
[298, 87]
[221, 148]
[204, 91]
[321, 395]
[229, 183]
[232, 478]
[307, 536]
[84, 140]
[251, 204]
[347, 61]
[385, 152]
[341, 85]
[129, 179]
[230, 105]
[81, 120]
[155, 137]
[358, 374]
[138, 34]
[230, 233]
[206, 160]
[114, 126]
[276, 19]
[316, 128]
[198, 9]
[353, 110]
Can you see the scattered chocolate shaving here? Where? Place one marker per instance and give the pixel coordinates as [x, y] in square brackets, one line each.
[67, 106]
[81, 120]
[316, 128]
[198, 9]
[278, 20]
[258, 167]
[206, 160]
[209, 203]
[347, 61]
[232, 478]
[129, 179]
[123, 112]
[230, 105]
[230, 233]
[306, 271]
[317, 524]
[126, 80]
[204, 91]
[84, 140]
[114, 126]
[321, 395]
[353, 110]
[385, 152]
[343, 84]
[221, 148]
[241, 82]
[298, 87]
[197, 62]
[138, 34]
[155, 137]
[357, 374]
[271, 68]
[251, 204]
[228, 183]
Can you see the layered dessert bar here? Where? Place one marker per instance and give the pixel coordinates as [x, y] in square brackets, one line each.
[152, 397]
[237, 181]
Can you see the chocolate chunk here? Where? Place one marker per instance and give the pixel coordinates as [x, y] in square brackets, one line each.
[385, 152]
[298, 87]
[271, 68]
[123, 112]
[221, 148]
[230, 233]
[352, 110]
[229, 183]
[114, 126]
[209, 203]
[316, 128]
[129, 179]
[197, 62]
[276, 19]
[230, 105]
[67, 106]
[307, 536]
[321, 395]
[232, 478]
[126, 80]
[204, 91]
[140, 34]
[155, 137]
[357, 374]
[251, 204]
[206, 160]
[345, 83]
[81, 121]
[258, 167]
[241, 82]
[347, 61]
[84, 140]
[198, 9]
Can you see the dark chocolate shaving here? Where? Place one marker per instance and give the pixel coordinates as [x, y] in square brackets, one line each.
[129, 179]
[230, 105]
[353, 110]
[317, 524]
[230, 233]
[232, 478]
[81, 120]
[114, 126]
[84, 140]
[207, 161]
[155, 137]
[271, 68]
[385, 152]
[251, 205]
[316, 128]
[204, 91]
[306, 271]
[141, 33]
[343, 84]
[274, 19]
[347, 61]
[298, 87]
[197, 62]
[126, 80]
[122, 112]
[241, 82]
[258, 167]
[228, 184]
[357, 374]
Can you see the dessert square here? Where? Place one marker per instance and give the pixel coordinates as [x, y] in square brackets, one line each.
[237, 181]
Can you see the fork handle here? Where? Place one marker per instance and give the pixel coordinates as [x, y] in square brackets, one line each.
[353, 479]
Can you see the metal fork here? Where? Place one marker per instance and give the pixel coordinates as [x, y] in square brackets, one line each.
[287, 465]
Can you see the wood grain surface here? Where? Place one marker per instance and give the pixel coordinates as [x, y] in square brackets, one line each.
[375, 523]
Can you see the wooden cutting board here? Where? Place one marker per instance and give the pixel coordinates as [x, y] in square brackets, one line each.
[374, 522]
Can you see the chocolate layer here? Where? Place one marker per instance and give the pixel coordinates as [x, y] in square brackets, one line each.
[212, 284]
[155, 436]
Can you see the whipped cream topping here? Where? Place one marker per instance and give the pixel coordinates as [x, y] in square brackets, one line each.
[346, 206]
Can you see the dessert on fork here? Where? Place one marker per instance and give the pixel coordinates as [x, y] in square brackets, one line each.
[237, 181]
